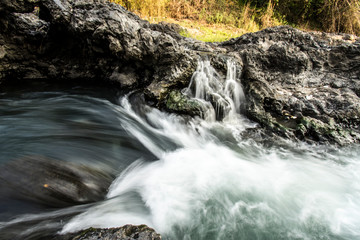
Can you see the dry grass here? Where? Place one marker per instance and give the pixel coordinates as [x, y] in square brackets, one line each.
[155, 8]
[246, 19]
[267, 18]
[206, 32]
[217, 20]
[341, 16]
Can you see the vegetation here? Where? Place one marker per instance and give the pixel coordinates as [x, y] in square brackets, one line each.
[216, 20]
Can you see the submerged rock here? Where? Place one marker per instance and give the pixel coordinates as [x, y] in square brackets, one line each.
[127, 232]
[52, 182]
[299, 85]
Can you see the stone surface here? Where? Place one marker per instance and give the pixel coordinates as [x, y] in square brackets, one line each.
[299, 85]
[178, 103]
[93, 40]
[127, 232]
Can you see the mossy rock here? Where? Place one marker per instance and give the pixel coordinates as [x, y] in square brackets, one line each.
[320, 131]
[179, 103]
[127, 232]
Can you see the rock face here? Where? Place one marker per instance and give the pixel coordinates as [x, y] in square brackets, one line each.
[299, 85]
[89, 40]
[127, 232]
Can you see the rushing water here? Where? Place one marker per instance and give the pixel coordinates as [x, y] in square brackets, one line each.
[188, 179]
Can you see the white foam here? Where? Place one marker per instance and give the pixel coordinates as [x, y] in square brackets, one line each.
[212, 187]
[203, 188]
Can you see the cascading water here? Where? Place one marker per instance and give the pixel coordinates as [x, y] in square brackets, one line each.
[221, 98]
[207, 182]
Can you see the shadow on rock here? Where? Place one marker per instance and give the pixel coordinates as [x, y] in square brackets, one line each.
[53, 183]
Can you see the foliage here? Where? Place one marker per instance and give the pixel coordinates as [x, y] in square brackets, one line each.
[341, 16]
[252, 15]
[327, 15]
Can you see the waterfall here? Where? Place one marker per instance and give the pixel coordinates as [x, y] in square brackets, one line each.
[221, 97]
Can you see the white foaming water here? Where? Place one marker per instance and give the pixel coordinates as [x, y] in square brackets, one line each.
[222, 96]
[205, 187]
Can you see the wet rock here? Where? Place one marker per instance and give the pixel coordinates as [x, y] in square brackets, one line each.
[301, 86]
[52, 182]
[178, 103]
[127, 232]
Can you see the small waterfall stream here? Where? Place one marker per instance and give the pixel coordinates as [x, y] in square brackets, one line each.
[194, 179]
[222, 98]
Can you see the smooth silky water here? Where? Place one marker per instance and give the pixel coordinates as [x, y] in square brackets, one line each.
[188, 179]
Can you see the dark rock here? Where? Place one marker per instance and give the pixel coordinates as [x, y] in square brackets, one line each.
[290, 77]
[93, 40]
[127, 232]
[17, 6]
[301, 86]
[169, 28]
[52, 182]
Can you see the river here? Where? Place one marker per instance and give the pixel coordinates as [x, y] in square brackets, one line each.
[198, 178]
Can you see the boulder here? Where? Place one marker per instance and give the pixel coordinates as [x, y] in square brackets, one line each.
[301, 85]
[52, 182]
[90, 40]
[127, 232]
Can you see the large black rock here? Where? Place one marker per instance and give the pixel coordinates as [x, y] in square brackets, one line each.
[299, 85]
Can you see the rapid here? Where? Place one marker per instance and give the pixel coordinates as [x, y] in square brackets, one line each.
[199, 178]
